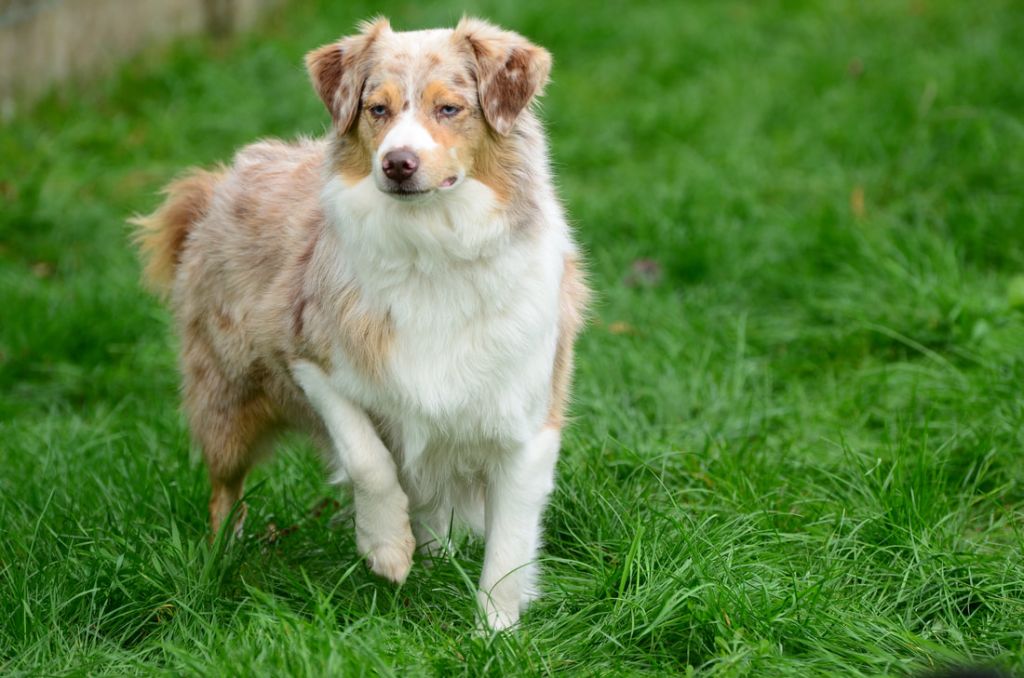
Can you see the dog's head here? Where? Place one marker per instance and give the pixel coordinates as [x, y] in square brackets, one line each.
[422, 111]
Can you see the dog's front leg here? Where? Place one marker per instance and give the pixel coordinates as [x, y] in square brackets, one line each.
[383, 533]
[517, 492]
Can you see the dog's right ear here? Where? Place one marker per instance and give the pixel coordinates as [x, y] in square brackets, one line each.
[339, 71]
[510, 70]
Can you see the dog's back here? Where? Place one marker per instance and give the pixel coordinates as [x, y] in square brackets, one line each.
[232, 229]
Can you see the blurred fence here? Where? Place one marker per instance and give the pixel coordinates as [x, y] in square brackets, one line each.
[45, 42]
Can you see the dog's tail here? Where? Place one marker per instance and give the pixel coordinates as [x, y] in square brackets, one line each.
[161, 235]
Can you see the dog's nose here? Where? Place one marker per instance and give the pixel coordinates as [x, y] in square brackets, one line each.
[400, 164]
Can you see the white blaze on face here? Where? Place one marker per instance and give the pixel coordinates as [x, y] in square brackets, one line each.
[406, 133]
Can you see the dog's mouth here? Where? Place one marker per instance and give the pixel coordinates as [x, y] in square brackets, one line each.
[409, 192]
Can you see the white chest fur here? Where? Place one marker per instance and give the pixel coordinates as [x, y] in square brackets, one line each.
[474, 310]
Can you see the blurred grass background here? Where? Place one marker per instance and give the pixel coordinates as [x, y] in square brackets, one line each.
[799, 419]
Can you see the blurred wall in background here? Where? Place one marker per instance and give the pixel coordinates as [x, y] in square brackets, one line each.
[46, 42]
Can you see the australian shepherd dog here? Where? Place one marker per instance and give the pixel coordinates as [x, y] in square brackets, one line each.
[406, 290]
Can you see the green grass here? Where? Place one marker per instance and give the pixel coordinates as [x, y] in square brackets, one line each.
[798, 452]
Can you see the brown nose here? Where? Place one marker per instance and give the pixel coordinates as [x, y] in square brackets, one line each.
[400, 164]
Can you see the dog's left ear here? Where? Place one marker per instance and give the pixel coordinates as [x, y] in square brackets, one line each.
[339, 71]
[510, 70]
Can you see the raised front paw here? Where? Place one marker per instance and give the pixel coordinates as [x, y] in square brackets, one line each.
[391, 560]
[384, 537]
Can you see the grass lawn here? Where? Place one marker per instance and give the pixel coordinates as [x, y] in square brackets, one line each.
[798, 439]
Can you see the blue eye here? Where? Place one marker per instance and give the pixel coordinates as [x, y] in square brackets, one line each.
[448, 111]
[378, 111]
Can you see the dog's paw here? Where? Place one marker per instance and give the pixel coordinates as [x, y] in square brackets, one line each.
[240, 515]
[384, 533]
[384, 536]
[237, 528]
[391, 560]
[498, 615]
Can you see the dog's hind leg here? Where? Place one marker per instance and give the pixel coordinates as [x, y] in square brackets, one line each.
[232, 425]
[231, 446]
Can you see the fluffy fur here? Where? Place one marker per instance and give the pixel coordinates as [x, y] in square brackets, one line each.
[421, 329]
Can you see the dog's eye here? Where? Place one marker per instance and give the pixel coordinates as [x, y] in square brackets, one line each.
[378, 111]
[448, 111]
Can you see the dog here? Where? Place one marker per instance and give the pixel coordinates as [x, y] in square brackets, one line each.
[406, 290]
